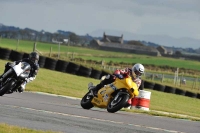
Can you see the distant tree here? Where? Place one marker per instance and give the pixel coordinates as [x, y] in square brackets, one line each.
[22, 33]
[49, 36]
[74, 38]
[178, 53]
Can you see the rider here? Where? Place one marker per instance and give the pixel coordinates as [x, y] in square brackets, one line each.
[135, 72]
[33, 61]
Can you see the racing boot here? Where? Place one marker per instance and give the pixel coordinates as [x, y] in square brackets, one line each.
[95, 89]
[22, 87]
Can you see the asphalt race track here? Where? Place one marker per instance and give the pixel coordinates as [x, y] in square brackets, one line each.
[64, 114]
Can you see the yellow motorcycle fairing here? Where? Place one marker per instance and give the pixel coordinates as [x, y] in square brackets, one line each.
[104, 94]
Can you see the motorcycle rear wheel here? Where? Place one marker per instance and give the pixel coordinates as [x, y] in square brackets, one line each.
[86, 101]
[116, 105]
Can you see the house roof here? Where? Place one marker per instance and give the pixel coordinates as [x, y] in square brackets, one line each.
[109, 38]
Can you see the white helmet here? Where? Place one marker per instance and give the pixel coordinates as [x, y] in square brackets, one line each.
[137, 69]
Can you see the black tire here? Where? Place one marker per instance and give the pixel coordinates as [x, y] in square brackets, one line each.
[72, 68]
[26, 55]
[159, 87]
[15, 56]
[5, 53]
[169, 89]
[61, 65]
[103, 73]
[50, 63]
[142, 85]
[84, 71]
[7, 87]
[198, 95]
[180, 92]
[41, 61]
[86, 102]
[149, 85]
[121, 102]
[190, 94]
[96, 74]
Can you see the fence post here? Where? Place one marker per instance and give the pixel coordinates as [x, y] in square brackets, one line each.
[58, 50]
[162, 78]
[102, 62]
[196, 81]
[50, 52]
[34, 46]
[193, 84]
[152, 78]
[72, 55]
[181, 80]
[176, 76]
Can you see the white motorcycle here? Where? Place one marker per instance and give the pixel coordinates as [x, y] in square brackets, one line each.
[14, 77]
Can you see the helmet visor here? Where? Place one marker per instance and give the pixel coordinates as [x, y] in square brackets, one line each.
[137, 73]
[35, 60]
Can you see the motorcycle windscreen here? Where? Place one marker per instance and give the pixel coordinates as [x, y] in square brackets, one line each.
[22, 67]
[18, 69]
[27, 68]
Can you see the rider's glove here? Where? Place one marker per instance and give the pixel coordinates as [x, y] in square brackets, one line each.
[30, 79]
[119, 76]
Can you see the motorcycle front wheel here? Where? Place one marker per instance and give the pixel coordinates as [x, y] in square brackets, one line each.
[86, 101]
[8, 86]
[116, 104]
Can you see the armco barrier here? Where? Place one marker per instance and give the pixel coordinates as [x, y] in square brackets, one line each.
[142, 101]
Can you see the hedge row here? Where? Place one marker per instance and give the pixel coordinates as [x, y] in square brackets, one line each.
[53, 64]
[169, 89]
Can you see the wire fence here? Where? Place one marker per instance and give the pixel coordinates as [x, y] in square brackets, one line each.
[176, 79]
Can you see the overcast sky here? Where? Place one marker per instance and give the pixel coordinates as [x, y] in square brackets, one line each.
[176, 18]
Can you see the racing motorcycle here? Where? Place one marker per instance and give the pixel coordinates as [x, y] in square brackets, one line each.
[14, 77]
[113, 96]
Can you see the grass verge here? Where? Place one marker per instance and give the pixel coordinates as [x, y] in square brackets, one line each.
[5, 128]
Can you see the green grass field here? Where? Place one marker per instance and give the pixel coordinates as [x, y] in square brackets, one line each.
[98, 55]
[5, 128]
